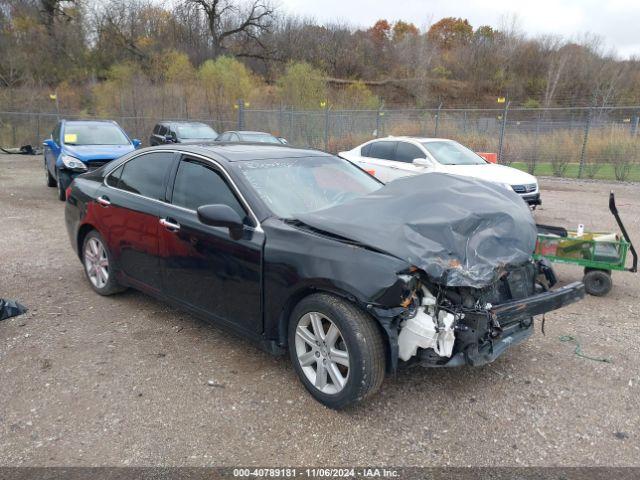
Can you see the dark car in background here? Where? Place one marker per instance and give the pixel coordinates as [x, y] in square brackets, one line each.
[79, 146]
[303, 251]
[251, 137]
[182, 132]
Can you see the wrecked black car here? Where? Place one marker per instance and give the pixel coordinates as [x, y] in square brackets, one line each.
[302, 251]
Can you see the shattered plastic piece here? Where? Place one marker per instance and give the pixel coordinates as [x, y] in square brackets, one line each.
[460, 231]
[10, 308]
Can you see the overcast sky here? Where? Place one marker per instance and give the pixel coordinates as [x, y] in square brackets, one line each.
[616, 22]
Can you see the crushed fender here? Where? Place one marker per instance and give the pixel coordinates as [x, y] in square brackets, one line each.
[11, 308]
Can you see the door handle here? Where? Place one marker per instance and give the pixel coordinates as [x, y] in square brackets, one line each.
[104, 201]
[173, 226]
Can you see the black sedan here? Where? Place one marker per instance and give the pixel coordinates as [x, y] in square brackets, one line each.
[303, 251]
[251, 137]
[182, 132]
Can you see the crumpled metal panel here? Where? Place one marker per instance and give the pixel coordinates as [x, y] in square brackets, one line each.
[460, 231]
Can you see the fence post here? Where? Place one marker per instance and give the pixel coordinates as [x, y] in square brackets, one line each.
[435, 133]
[290, 137]
[583, 153]
[326, 127]
[378, 122]
[503, 129]
[634, 128]
[38, 129]
[241, 114]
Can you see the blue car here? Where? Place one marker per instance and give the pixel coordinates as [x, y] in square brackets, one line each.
[80, 146]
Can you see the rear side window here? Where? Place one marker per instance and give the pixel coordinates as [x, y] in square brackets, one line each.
[162, 130]
[197, 185]
[407, 152]
[145, 174]
[364, 151]
[114, 178]
[382, 150]
[156, 129]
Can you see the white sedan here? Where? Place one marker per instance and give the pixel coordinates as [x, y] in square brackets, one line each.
[394, 157]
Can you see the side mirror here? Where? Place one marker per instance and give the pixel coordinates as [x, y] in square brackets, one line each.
[283, 141]
[49, 143]
[169, 138]
[421, 162]
[136, 143]
[222, 216]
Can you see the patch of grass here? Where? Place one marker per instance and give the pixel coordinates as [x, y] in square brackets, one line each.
[606, 172]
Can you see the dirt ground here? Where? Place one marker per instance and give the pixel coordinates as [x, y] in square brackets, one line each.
[125, 380]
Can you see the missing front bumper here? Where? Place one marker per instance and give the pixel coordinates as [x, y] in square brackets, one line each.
[516, 316]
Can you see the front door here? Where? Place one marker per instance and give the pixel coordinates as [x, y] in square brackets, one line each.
[203, 266]
[52, 150]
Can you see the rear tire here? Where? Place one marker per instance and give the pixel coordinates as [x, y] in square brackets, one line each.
[336, 349]
[97, 263]
[597, 282]
[51, 181]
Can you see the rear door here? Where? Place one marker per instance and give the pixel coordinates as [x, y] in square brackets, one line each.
[130, 207]
[203, 267]
[379, 159]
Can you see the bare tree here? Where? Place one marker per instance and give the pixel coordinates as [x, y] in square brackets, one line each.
[227, 20]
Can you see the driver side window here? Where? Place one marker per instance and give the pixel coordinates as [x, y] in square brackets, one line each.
[407, 152]
[197, 184]
[55, 135]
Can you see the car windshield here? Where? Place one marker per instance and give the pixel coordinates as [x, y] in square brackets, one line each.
[258, 137]
[94, 134]
[291, 186]
[194, 131]
[452, 153]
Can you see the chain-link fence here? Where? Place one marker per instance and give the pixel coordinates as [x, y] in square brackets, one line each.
[593, 142]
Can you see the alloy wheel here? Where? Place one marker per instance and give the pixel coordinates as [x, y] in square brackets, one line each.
[96, 262]
[322, 353]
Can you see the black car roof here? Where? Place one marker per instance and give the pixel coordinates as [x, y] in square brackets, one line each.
[239, 151]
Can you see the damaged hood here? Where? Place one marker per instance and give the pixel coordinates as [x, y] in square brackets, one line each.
[460, 231]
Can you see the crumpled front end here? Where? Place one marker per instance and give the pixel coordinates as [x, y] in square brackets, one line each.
[452, 326]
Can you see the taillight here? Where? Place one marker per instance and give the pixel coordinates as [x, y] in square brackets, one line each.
[68, 192]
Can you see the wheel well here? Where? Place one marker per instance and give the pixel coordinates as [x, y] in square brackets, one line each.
[290, 305]
[82, 233]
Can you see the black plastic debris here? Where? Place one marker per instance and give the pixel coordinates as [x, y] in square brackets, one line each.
[460, 231]
[10, 308]
[23, 150]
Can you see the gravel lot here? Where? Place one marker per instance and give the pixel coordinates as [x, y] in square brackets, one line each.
[125, 380]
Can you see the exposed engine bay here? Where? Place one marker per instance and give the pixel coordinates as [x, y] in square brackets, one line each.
[446, 326]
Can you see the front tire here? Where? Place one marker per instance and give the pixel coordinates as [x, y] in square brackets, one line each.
[51, 181]
[97, 263]
[336, 349]
[62, 195]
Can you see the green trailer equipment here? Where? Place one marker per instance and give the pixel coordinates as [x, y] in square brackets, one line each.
[599, 253]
